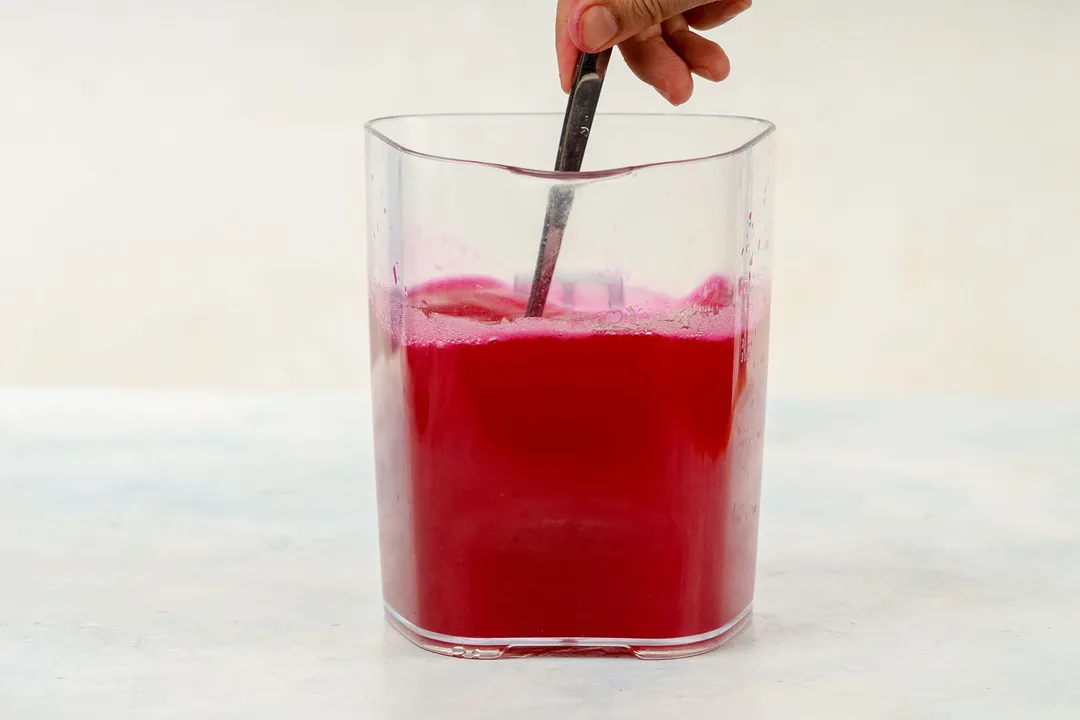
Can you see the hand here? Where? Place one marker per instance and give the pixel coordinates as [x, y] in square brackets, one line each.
[654, 37]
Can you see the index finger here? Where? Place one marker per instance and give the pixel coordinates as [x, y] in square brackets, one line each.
[716, 13]
[565, 50]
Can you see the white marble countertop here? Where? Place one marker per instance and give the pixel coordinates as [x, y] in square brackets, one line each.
[177, 556]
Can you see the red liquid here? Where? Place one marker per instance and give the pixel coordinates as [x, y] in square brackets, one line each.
[576, 476]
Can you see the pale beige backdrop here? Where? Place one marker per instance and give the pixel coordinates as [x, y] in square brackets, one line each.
[181, 182]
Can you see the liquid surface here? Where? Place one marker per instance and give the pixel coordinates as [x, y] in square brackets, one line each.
[594, 473]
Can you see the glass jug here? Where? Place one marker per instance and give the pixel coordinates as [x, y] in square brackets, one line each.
[589, 480]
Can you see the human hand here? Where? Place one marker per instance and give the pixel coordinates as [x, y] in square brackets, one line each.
[654, 37]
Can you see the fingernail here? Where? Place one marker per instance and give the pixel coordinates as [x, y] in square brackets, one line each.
[597, 27]
[705, 73]
[668, 98]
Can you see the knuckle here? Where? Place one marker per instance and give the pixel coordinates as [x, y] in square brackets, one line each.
[646, 12]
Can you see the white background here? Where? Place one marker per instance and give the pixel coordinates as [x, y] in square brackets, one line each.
[181, 182]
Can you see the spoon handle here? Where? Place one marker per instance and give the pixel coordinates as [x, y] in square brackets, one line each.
[577, 124]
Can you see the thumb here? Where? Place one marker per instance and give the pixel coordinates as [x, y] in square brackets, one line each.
[596, 25]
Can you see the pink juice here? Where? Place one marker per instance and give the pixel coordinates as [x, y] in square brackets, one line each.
[591, 474]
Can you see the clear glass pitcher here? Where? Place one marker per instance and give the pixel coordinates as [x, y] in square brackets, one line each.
[589, 480]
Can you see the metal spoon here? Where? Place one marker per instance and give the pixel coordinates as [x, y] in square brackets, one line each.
[577, 123]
